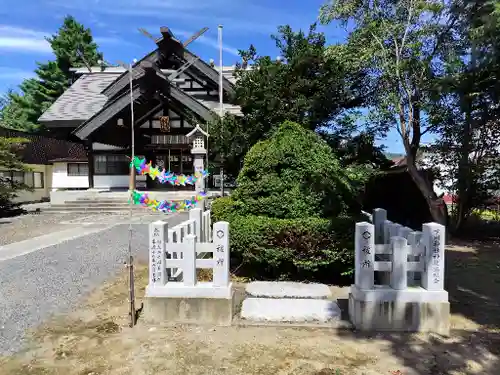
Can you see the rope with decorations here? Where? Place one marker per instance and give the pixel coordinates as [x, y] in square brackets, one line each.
[165, 205]
[163, 176]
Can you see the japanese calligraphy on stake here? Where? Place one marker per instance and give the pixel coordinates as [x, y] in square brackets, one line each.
[364, 255]
[188, 251]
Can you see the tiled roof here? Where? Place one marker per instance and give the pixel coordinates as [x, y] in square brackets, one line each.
[82, 100]
[41, 149]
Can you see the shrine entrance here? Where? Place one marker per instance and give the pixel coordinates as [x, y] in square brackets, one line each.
[177, 161]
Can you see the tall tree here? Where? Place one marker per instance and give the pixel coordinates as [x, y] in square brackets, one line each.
[303, 86]
[399, 43]
[466, 105]
[73, 46]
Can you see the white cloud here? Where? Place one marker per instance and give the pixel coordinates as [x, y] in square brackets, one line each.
[236, 15]
[20, 39]
[23, 39]
[211, 42]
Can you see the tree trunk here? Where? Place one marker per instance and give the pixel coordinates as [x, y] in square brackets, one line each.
[436, 205]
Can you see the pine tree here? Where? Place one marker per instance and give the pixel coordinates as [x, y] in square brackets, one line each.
[73, 47]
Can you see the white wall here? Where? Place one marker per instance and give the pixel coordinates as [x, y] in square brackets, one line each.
[115, 181]
[40, 193]
[61, 180]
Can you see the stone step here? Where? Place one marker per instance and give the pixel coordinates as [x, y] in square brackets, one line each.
[290, 310]
[91, 209]
[288, 289]
[94, 204]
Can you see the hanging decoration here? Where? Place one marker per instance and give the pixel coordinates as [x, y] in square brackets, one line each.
[164, 124]
[165, 176]
[166, 206]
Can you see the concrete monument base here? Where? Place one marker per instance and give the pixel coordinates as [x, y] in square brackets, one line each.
[161, 310]
[399, 316]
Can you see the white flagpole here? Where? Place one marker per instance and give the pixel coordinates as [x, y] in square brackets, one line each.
[221, 110]
[132, 174]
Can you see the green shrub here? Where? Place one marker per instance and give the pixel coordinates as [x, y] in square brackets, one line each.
[293, 174]
[222, 209]
[292, 249]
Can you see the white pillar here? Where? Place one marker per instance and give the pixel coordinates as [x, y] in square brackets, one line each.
[189, 260]
[195, 215]
[199, 166]
[158, 235]
[433, 238]
[379, 216]
[221, 254]
[399, 273]
[364, 256]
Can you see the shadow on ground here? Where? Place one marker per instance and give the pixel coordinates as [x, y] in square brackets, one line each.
[473, 283]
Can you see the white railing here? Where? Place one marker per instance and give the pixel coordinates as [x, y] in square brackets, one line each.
[402, 252]
[175, 255]
[199, 224]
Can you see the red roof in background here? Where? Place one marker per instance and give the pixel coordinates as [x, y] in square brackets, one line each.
[449, 199]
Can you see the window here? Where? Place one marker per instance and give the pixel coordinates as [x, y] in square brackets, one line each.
[30, 179]
[111, 165]
[78, 169]
[198, 142]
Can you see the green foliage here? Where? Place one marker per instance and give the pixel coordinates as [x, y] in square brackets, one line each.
[293, 174]
[303, 86]
[292, 249]
[73, 47]
[223, 208]
[464, 111]
[402, 46]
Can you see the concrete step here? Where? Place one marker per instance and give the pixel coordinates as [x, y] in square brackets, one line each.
[93, 204]
[287, 289]
[64, 208]
[290, 310]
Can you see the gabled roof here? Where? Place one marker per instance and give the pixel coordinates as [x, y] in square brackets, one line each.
[198, 66]
[42, 150]
[82, 100]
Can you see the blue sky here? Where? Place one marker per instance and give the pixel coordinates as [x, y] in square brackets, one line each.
[114, 25]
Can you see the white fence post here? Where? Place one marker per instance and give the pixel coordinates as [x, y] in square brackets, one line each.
[387, 231]
[399, 274]
[195, 214]
[189, 260]
[379, 216]
[158, 234]
[364, 255]
[221, 254]
[394, 230]
[414, 243]
[433, 238]
[206, 231]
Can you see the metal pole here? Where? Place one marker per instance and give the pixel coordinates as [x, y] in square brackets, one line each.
[221, 111]
[130, 256]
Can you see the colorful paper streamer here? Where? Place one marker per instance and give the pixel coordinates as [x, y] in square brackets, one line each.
[163, 175]
[166, 206]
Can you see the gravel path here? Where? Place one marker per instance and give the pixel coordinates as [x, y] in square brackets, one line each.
[19, 228]
[55, 279]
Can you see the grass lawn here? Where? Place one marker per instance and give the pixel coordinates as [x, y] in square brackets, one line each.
[97, 341]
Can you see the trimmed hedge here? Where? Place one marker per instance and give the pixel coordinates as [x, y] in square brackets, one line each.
[288, 249]
[292, 249]
[293, 174]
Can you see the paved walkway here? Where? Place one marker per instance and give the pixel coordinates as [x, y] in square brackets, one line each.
[51, 274]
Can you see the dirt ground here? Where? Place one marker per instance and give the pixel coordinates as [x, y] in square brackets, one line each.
[97, 340]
